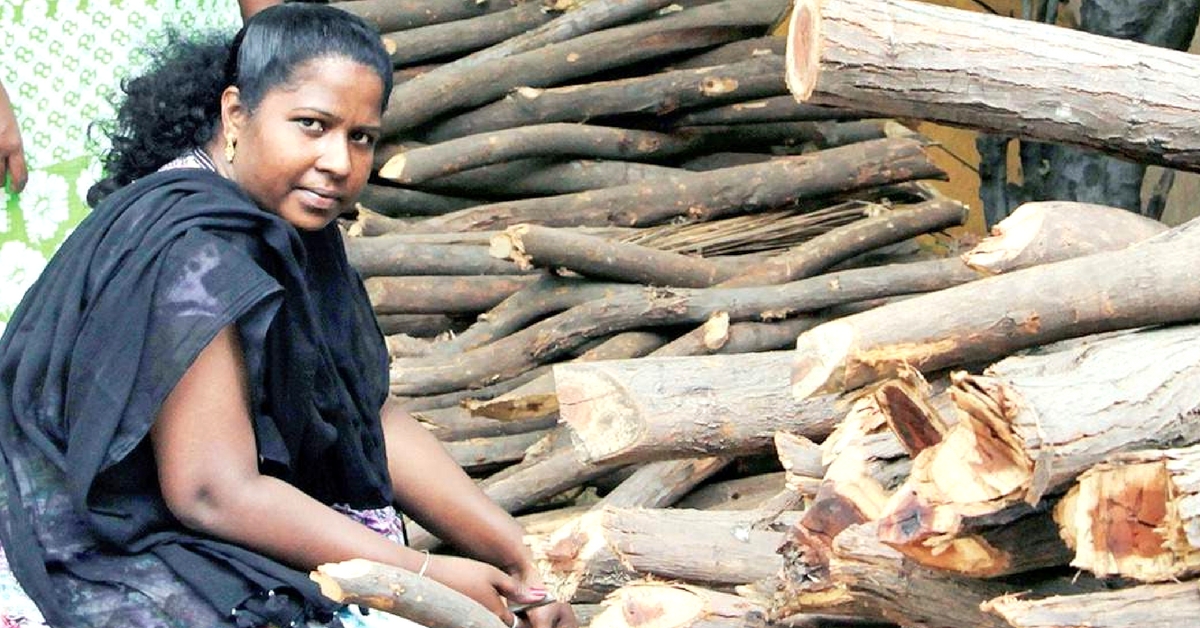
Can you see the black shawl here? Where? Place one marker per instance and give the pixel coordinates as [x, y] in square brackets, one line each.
[119, 314]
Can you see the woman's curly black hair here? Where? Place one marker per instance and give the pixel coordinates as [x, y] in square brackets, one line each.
[175, 105]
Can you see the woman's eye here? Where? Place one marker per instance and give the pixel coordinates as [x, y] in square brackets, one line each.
[363, 138]
[310, 123]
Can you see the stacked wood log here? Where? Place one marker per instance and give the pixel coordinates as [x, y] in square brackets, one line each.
[697, 337]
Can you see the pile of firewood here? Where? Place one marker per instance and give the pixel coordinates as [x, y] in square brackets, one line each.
[598, 229]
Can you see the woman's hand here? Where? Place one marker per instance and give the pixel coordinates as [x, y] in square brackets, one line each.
[483, 583]
[557, 614]
[12, 151]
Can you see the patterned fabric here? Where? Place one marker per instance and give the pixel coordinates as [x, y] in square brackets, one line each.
[61, 62]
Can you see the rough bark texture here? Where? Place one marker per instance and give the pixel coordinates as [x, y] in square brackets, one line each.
[384, 256]
[1173, 605]
[441, 40]
[440, 294]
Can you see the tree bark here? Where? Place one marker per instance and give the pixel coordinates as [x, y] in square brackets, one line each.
[465, 35]
[1034, 422]
[909, 59]
[774, 109]
[402, 593]
[748, 493]
[648, 308]
[705, 196]
[384, 256]
[734, 52]
[1144, 284]
[1130, 516]
[426, 97]
[1176, 604]
[416, 325]
[544, 177]
[490, 451]
[655, 94]
[542, 475]
[457, 423]
[669, 605]
[394, 15]
[440, 294]
[625, 411]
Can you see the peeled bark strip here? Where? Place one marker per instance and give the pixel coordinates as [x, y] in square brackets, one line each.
[1037, 233]
[1034, 422]
[440, 294]
[384, 256]
[842, 243]
[1132, 516]
[533, 245]
[648, 308]
[394, 15]
[1149, 283]
[1014, 77]
[403, 593]
[610, 547]
[625, 411]
[442, 40]
[653, 94]
[424, 98]
[705, 196]
[666, 605]
[418, 165]
[1175, 604]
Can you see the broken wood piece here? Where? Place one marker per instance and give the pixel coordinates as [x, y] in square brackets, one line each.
[915, 60]
[402, 593]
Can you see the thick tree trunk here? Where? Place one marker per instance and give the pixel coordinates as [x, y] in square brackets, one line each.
[1014, 77]
[623, 411]
[610, 547]
[1131, 516]
[1033, 423]
[655, 94]
[1148, 283]
[705, 196]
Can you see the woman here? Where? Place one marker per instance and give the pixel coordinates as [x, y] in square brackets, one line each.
[194, 392]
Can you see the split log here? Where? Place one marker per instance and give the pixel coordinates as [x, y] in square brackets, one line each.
[440, 294]
[541, 140]
[1034, 422]
[774, 109]
[426, 97]
[1132, 516]
[1014, 77]
[394, 15]
[384, 256]
[1144, 284]
[527, 246]
[1039, 232]
[748, 493]
[465, 35]
[490, 451]
[1176, 604]
[705, 196]
[842, 243]
[395, 202]
[403, 593]
[656, 94]
[610, 547]
[673, 605]
[648, 308]
[624, 411]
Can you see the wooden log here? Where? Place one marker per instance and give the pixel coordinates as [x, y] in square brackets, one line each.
[734, 52]
[402, 593]
[674, 605]
[546, 521]
[656, 94]
[546, 177]
[450, 38]
[747, 493]
[416, 325]
[481, 452]
[1045, 230]
[1013, 77]
[620, 410]
[457, 423]
[467, 395]
[1138, 285]
[542, 474]
[526, 246]
[774, 109]
[396, 202]
[541, 140]
[718, 336]
[661, 484]
[385, 256]
[799, 136]
[426, 97]
[1176, 604]
[1131, 516]
[842, 243]
[394, 15]
[1034, 422]
[440, 294]
[647, 308]
[607, 548]
[705, 196]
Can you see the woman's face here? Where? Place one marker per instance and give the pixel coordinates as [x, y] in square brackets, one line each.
[305, 152]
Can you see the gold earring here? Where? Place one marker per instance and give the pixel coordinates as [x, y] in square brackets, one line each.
[230, 148]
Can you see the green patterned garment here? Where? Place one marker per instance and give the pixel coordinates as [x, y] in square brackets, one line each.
[61, 62]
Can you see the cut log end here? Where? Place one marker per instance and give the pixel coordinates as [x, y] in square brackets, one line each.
[819, 353]
[394, 168]
[803, 53]
[716, 331]
[508, 245]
